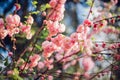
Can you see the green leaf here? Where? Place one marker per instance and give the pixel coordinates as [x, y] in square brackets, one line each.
[26, 17]
[89, 2]
[16, 71]
[44, 7]
[44, 33]
[38, 47]
[34, 3]
[35, 12]
[16, 77]
[6, 62]
[48, 5]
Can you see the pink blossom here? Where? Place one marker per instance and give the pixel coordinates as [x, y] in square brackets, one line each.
[48, 48]
[74, 49]
[11, 32]
[88, 51]
[116, 67]
[56, 16]
[3, 34]
[16, 19]
[12, 23]
[98, 49]
[50, 77]
[43, 13]
[73, 62]
[88, 63]
[60, 8]
[53, 3]
[60, 50]
[30, 20]
[45, 43]
[58, 39]
[16, 30]
[10, 72]
[114, 45]
[10, 53]
[25, 28]
[62, 1]
[17, 6]
[100, 58]
[67, 43]
[9, 19]
[76, 37]
[29, 35]
[87, 23]
[13, 20]
[33, 64]
[114, 2]
[35, 58]
[58, 72]
[80, 28]
[58, 56]
[48, 63]
[41, 65]
[61, 28]
[52, 27]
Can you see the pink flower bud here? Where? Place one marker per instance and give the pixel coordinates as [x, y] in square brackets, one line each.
[87, 23]
[10, 72]
[103, 44]
[41, 65]
[10, 54]
[43, 13]
[50, 77]
[80, 28]
[17, 6]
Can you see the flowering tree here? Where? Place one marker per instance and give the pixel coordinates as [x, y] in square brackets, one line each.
[49, 54]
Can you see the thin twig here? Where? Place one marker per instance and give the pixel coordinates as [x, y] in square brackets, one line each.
[101, 71]
[107, 18]
[90, 9]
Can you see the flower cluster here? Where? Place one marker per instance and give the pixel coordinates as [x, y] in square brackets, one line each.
[54, 16]
[33, 62]
[12, 25]
[57, 11]
[54, 27]
[62, 45]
